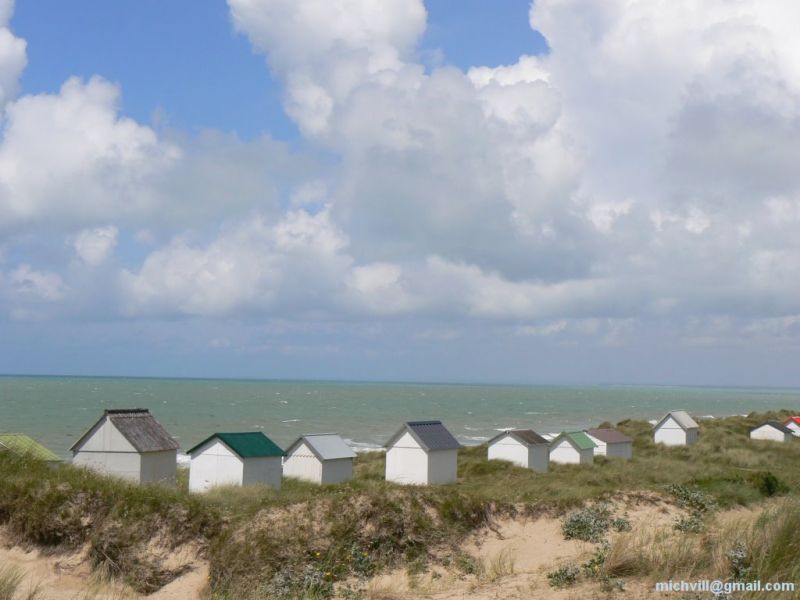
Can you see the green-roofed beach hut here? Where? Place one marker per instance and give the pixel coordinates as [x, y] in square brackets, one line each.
[572, 448]
[235, 459]
[21, 444]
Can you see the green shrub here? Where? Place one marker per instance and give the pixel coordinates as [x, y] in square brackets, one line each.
[564, 576]
[589, 524]
[691, 523]
[768, 484]
[692, 498]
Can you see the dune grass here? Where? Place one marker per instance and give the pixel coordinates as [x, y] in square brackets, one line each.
[302, 540]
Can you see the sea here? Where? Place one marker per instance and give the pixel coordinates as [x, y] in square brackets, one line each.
[57, 410]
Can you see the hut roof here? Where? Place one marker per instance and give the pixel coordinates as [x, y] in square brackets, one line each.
[250, 444]
[524, 436]
[775, 424]
[431, 435]
[578, 439]
[19, 443]
[792, 420]
[137, 426]
[681, 417]
[325, 446]
[609, 436]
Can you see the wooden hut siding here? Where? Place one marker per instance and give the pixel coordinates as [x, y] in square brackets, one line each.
[793, 423]
[506, 447]
[235, 459]
[565, 453]
[319, 458]
[214, 465]
[611, 443]
[442, 467]
[127, 465]
[302, 463]
[263, 470]
[774, 432]
[670, 433]
[407, 462]
[159, 466]
[620, 450]
[129, 444]
[422, 452]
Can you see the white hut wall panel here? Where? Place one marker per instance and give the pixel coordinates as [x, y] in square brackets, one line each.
[106, 438]
[263, 470]
[672, 434]
[621, 450]
[538, 458]
[303, 464]
[214, 465]
[794, 427]
[600, 447]
[159, 467]
[511, 450]
[564, 453]
[407, 462]
[337, 470]
[769, 433]
[443, 466]
[126, 465]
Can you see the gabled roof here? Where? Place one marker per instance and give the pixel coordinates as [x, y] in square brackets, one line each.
[19, 443]
[578, 439]
[795, 420]
[250, 444]
[430, 435]
[524, 436]
[325, 446]
[137, 426]
[609, 436]
[681, 417]
[776, 425]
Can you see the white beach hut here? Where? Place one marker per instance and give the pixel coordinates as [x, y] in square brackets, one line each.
[793, 423]
[572, 448]
[128, 443]
[676, 428]
[235, 459]
[319, 458]
[772, 431]
[421, 453]
[523, 447]
[611, 443]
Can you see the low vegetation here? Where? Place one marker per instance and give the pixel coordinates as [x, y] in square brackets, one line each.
[305, 540]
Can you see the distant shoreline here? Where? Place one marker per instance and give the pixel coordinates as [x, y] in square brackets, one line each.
[412, 382]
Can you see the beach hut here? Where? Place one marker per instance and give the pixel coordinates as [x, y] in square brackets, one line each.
[793, 423]
[771, 430]
[422, 452]
[611, 443]
[676, 428]
[22, 445]
[128, 443]
[572, 448]
[235, 459]
[319, 458]
[523, 447]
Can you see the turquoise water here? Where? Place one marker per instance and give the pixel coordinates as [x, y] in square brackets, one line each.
[56, 410]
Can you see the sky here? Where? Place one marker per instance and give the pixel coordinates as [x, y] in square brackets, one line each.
[546, 192]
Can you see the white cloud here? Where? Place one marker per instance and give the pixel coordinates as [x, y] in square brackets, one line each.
[70, 157]
[642, 172]
[13, 57]
[93, 246]
[31, 284]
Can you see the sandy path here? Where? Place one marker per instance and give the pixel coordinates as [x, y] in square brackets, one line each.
[68, 577]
